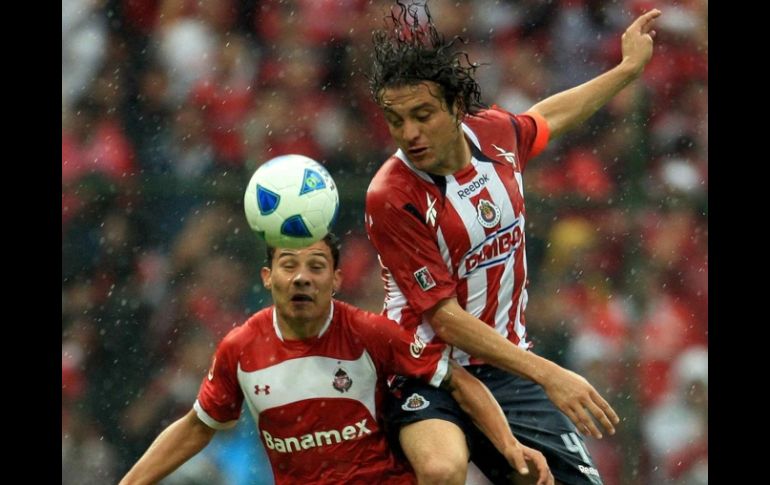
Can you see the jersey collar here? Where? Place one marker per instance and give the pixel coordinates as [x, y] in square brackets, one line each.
[325, 327]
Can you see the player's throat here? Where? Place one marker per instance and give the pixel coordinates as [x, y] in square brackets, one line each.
[299, 327]
[457, 158]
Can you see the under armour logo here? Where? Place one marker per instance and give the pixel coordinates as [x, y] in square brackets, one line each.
[430, 214]
[265, 389]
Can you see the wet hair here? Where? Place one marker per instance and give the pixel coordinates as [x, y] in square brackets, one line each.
[330, 239]
[408, 53]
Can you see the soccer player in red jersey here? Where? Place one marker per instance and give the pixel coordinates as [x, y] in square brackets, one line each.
[312, 371]
[446, 216]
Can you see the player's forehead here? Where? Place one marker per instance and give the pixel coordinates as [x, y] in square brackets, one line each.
[403, 99]
[316, 250]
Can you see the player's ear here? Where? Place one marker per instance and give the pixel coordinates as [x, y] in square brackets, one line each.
[459, 110]
[266, 273]
[337, 283]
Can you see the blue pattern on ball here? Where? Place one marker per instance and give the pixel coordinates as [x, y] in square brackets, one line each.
[294, 226]
[311, 180]
[267, 200]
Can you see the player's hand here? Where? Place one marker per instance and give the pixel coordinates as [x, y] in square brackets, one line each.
[637, 41]
[527, 460]
[579, 400]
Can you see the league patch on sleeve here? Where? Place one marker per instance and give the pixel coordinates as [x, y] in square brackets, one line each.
[424, 279]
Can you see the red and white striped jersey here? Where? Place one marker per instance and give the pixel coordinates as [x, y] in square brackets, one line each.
[316, 401]
[458, 235]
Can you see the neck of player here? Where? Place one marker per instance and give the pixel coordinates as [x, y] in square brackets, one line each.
[301, 327]
[459, 156]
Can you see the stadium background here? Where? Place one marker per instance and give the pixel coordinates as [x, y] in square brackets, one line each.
[169, 105]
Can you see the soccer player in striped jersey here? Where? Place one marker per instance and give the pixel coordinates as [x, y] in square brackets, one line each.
[312, 372]
[446, 216]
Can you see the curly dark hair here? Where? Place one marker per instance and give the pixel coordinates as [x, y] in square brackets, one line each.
[407, 53]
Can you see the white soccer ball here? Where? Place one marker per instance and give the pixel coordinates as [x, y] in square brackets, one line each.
[291, 201]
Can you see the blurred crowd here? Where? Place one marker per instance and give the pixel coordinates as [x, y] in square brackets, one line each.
[169, 105]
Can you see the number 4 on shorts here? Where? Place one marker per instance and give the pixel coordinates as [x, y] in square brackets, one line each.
[575, 445]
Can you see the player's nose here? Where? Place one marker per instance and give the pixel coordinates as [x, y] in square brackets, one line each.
[410, 131]
[301, 277]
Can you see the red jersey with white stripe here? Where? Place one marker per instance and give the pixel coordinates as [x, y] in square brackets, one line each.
[315, 401]
[460, 235]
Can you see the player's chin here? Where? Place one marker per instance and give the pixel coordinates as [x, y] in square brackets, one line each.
[425, 163]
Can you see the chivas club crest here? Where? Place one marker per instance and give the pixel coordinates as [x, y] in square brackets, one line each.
[342, 380]
[415, 402]
[488, 213]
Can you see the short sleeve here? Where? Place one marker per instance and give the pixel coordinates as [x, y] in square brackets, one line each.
[397, 351]
[220, 398]
[407, 247]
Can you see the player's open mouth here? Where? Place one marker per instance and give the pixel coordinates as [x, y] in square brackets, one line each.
[418, 152]
[301, 298]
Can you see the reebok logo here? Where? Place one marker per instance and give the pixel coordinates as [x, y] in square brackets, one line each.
[588, 470]
[430, 214]
[510, 157]
[472, 187]
[319, 438]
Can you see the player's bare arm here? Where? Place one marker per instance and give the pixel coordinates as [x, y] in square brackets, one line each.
[476, 400]
[571, 393]
[568, 109]
[182, 440]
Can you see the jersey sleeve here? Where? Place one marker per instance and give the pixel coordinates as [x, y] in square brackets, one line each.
[397, 351]
[407, 248]
[220, 398]
[532, 134]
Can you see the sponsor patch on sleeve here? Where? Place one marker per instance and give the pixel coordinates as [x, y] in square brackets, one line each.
[424, 279]
[416, 347]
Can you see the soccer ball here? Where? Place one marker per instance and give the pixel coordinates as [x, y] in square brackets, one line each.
[291, 201]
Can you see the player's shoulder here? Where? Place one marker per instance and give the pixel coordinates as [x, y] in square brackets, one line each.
[239, 336]
[357, 320]
[496, 125]
[393, 178]
[493, 114]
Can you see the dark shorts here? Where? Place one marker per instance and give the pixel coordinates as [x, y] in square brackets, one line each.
[534, 420]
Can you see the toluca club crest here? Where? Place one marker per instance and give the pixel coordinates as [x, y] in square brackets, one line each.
[342, 380]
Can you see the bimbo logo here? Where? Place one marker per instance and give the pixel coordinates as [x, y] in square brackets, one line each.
[494, 250]
[318, 438]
